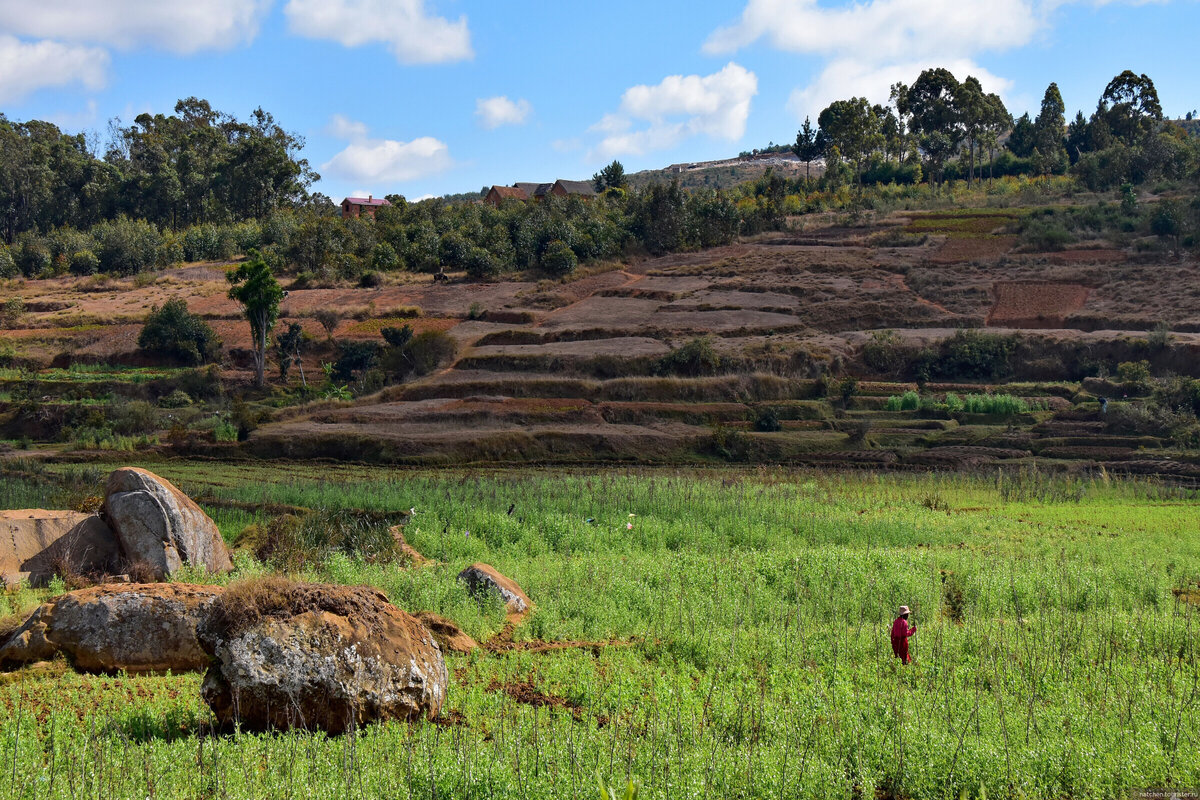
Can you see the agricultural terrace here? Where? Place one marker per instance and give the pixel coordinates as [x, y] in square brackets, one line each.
[720, 634]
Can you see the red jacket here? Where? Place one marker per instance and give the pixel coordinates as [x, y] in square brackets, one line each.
[900, 633]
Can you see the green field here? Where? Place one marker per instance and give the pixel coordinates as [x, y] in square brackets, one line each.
[748, 612]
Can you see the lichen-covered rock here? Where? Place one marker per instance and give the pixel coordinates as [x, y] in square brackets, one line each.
[315, 656]
[485, 578]
[160, 526]
[38, 544]
[132, 627]
[449, 636]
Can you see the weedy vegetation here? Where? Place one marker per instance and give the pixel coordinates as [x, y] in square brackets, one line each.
[1056, 654]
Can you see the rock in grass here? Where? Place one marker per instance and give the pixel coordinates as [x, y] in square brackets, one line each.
[481, 578]
[450, 637]
[37, 545]
[159, 526]
[317, 656]
[131, 627]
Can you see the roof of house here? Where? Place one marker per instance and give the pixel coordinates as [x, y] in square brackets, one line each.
[585, 188]
[366, 201]
[510, 192]
[533, 189]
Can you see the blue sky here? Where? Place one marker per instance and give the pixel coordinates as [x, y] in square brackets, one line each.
[423, 97]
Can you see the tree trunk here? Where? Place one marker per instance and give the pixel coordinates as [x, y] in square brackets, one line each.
[260, 354]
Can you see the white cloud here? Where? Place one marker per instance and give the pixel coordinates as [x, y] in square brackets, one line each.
[869, 46]
[341, 127]
[882, 30]
[383, 160]
[496, 111]
[848, 77]
[415, 37]
[181, 27]
[678, 107]
[28, 66]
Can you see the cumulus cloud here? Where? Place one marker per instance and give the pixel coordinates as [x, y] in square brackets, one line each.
[181, 27]
[869, 46]
[678, 107]
[341, 127]
[845, 77]
[28, 66]
[383, 160]
[496, 111]
[414, 35]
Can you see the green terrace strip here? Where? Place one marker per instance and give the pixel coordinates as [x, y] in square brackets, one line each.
[1056, 653]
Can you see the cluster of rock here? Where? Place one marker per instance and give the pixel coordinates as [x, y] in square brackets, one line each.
[278, 654]
[146, 526]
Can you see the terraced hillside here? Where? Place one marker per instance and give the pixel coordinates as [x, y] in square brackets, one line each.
[794, 347]
[581, 372]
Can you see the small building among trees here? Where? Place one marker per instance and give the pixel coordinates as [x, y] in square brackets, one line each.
[584, 189]
[498, 194]
[358, 206]
[537, 191]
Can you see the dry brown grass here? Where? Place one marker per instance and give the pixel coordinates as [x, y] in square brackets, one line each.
[245, 603]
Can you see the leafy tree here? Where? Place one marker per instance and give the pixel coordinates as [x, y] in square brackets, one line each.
[932, 103]
[1022, 140]
[1048, 130]
[175, 333]
[354, 357]
[810, 145]
[1130, 106]
[658, 218]
[611, 177]
[328, 318]
[256, 289]
[852, 126]
[973, 107]
[995, 122]
[397, 337]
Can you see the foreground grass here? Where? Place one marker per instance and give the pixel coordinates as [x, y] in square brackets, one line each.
[1052, 660]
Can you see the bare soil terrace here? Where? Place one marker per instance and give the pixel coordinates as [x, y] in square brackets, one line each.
[565, 371]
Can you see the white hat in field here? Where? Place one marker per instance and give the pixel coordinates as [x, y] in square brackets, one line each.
[903, 610]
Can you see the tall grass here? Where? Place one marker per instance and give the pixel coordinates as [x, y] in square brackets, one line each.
[1052, 659]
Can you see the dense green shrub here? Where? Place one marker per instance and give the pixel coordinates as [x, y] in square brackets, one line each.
[974, 355]
[354, 357]
[8, 267]
[692, 359]
[419, 355]
[174, 333]
[909, 401]
[84, 262]
[767, 421]
[126, 246]
[559, 259]
[479, 263]
[999, 404]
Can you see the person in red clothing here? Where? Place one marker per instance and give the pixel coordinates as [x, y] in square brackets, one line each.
[900, 633]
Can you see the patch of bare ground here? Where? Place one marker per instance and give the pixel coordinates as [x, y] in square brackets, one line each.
[1035, 304]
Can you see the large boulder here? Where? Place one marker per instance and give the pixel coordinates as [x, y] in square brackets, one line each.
[36, 544]
[315, 656]
[131, 627]
[159, 526]
[481, 578]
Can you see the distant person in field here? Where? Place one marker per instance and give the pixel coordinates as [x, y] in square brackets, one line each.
[901, 630]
